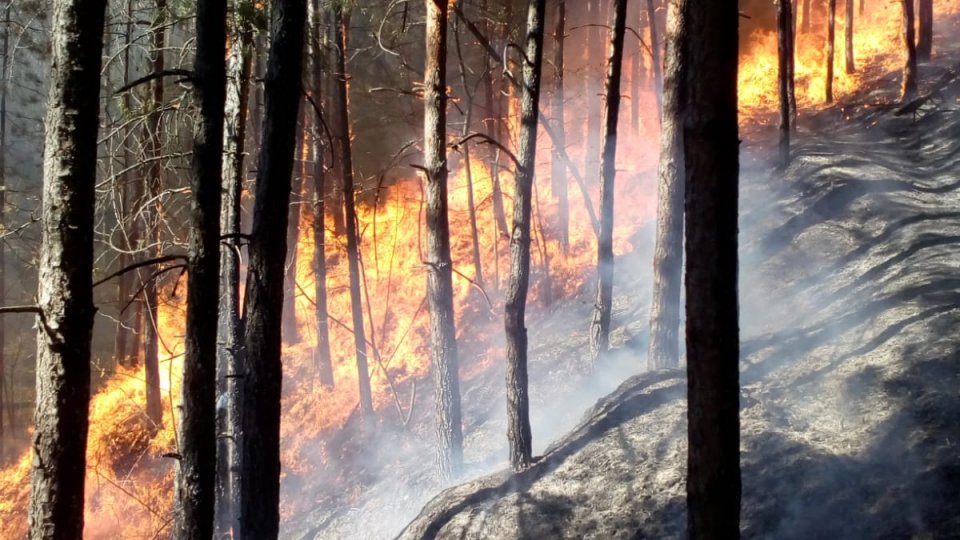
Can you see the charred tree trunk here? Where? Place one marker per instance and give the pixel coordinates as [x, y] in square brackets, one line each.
[65, 296]
[848, 36]
[600, 328]
[908, 89]
[198, 422]
[518, 400]
[230, 330]
[831, 40]
[263, 302]
[3, 213]
[322, 352]
[592, 104]
[784, 75]
[711, 148]
[291, 333]
[443, 335]
[558, 173]
[340, 27]
[154, 178]
[664, 349]
[655, 55]
[792, 66]
[925, 31]
[125, 314]
[493, 125]
[637, 66]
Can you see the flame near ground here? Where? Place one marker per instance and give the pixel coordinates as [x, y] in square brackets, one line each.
[129, 481]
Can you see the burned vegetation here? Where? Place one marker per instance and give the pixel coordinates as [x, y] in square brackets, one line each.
[479, 269]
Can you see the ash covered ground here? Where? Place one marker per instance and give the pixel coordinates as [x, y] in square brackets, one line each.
[850, 419]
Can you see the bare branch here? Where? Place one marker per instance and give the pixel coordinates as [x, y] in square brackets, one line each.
[184, 74]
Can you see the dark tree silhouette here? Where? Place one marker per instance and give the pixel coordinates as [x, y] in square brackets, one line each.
[925, 29]
[558, 173]
[908, 88]
[711, 148]
[600, 327]
[518, 399]
[263, 303]
[784, 75]
[848, 36]
[831, 41]
[65, 296]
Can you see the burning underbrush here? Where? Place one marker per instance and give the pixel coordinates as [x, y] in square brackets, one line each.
[330, 464]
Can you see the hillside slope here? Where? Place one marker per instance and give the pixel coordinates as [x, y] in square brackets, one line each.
[850, 299]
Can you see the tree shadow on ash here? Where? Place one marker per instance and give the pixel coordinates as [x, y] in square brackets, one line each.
[906, 484]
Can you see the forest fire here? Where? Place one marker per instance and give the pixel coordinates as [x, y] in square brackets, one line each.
[130, 463]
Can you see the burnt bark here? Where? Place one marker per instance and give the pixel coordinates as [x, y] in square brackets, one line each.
[443, 335]
[263, 304]
[558, 172]
[664, 349]
[230, 329]
[518, 399]
[154, 179]
[711, 148]
[831, 41]
[848, 36]
[600, 328]
[342, 135]
[291, 333]
[65, 295]
[908, 88]
[3, 213]
[198, 421]
[322, 353]
[785, 75]
[925, 29]
[596, 16]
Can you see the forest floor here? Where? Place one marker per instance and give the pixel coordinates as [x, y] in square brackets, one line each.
[850, 304]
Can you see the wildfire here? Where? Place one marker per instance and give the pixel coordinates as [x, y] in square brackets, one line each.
[129, 481]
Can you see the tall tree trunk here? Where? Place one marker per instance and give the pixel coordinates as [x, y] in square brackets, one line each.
[322, 352]
[198, 421]
[291, 334]
[848, 36]
[908, 89]
[65, 295]
[230, 329]
[151, 362]
[263, 302]
[655, 55]
[711, 148]
[663, 348]
[600, 328]
[3, 214]
[792, 66]
[340, 27]
[443, 335]
[120, 349]
[558, 173]
[493, 129]
[925, 37]
[637, 67]
[784, 74]
[831, 40]
[518, 400]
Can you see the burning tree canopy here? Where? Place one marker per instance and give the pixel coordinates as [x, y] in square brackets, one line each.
[363, 214]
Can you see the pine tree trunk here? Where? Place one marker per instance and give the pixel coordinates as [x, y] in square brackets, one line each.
[342, 133]
[785, 51]
[655, 55]
[151, 361]
[792, 66]
[925, 37]
[663, 348]
[230, 330]
[600, 328]
[908, 89]
[558, 173]
[637, 66]
[848, 35]
[443, 335]
[263, 302]
[711, 148]
[518, 400]
[322, 353]
[831, 40]
[492, 121]
[592, 103]
[3, 213]
[291, 334]
[65, 296]
[198, 421]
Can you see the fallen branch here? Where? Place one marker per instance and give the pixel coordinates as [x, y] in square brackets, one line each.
[149, 262]
[185, 74]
